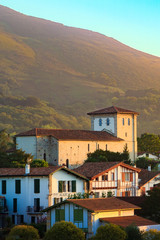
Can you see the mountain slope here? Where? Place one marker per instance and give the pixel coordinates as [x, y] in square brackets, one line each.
[75, 70]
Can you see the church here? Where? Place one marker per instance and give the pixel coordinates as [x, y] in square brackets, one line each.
[111, 129]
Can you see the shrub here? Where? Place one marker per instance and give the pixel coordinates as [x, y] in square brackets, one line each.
[41, 227]
[110, 232]
[64, 231]
[133, 233]
[23, 232]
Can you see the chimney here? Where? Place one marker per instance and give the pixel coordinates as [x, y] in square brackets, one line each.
[149, 168]
[27, 168]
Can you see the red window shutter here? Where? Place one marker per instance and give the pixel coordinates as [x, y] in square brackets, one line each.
[123, 194]
[123, 177]
[143, 190]
[129, 194]
[131, 177]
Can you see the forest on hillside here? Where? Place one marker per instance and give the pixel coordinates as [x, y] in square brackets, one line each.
[19, 114]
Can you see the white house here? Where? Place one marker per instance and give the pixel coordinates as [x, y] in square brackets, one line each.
[111, 129]
[117, 177]
[147, 155]
[148, 180]
[28, 191]
[89, 214]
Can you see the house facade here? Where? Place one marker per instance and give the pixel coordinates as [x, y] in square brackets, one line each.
[116, 178]
[89, 214]
[148, 180]
[29, 191]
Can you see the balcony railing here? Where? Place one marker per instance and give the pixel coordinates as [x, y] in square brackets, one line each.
[112, 184]
[34, 209]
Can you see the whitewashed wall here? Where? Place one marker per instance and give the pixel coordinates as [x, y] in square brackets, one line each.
[27, 144]
[27, 195]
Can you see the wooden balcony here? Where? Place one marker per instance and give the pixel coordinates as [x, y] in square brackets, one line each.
[113, 185]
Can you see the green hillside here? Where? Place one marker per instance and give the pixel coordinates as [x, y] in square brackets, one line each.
[72, 71]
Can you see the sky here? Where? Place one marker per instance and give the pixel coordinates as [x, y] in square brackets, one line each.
[135, 23]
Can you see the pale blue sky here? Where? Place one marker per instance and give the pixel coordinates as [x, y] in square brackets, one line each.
[135, 23]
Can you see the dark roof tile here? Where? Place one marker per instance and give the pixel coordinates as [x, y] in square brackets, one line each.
[146, 176]
[62, 134]
[92, 169]
[111, 110]
[103, 204]
[129, 220]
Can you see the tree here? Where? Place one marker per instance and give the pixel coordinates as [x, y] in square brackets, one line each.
[16, 159]
[149, 143]
[145, 162]
[23, 232]
[64, 230]
[110, 232]
[107, 156]
[133, 233]
[151, 235]
[151, 205]
[5, 141]
[39, 163]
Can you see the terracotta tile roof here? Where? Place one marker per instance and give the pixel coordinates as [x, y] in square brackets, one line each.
[146, 176]
[128, 220]
[138, 201]
[103, 204]
[62, 134]
[39, 171]
[111, 110]
[93, 169]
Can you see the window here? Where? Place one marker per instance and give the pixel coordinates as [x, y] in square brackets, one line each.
[13, 219]
[122, 121]
[33, 219]
[18, 186]
[96, 178]
[74, 186]
[67, 163]
[98, 146]
[107, 122]
[61, 186]
[100, 122]
[36, 185]
[69, 186]
[127, 177]
[128, 121]
[78, 215]
[44, 156]
[96, 195]
[105, 177]
[106, 147]
[14, 204]
[36, 204]
[112, 176]
[20, 219]
[60, 215]
[3, 186]
[125, 134]
[88, 147]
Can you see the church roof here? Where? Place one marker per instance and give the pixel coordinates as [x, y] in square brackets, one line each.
[112, 110]
[63, 134]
